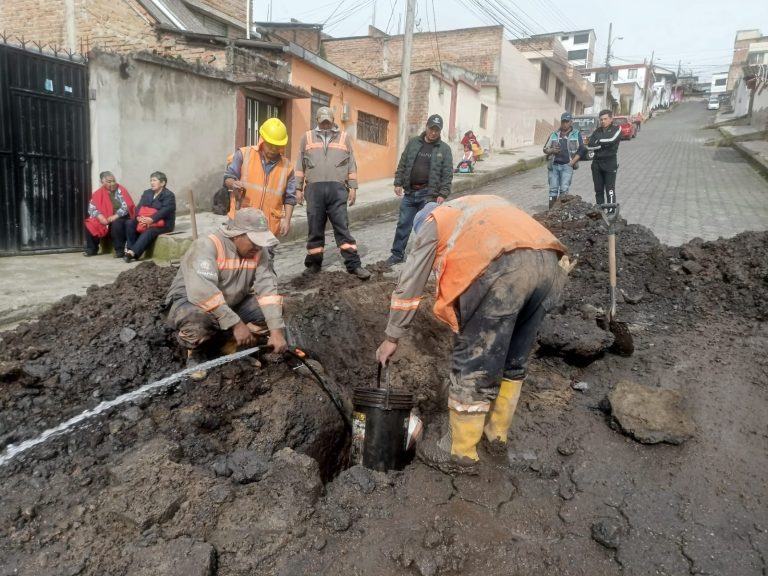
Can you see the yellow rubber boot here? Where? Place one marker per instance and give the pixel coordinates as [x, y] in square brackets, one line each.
[466, 433]
[503, 410]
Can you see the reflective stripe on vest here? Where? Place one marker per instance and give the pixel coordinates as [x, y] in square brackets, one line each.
[262, 192]
[471, 233]
[311, 144]
[224, 263]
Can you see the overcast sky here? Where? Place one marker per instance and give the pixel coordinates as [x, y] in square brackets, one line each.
[698, 34]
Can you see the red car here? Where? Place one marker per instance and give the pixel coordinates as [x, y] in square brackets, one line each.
[626, 126]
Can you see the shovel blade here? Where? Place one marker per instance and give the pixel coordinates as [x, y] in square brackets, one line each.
[623, 344]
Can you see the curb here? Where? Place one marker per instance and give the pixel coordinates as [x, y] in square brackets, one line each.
[756, 160]
[170, 249]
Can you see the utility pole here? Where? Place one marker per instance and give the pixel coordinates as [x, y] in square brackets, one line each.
[373, 18]
[607, 67]
[248, 19]
[405, 78]
[648, 80]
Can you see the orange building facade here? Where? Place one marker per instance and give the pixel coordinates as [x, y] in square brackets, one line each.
[367, 113]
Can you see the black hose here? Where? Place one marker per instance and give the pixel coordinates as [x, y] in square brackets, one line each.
[336, 402]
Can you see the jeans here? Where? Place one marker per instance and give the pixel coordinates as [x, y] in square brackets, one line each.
[560, 177]
[411, 203]
[499, 318]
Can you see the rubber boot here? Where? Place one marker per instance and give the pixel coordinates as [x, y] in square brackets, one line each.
[456, 451]
[501, 414]
[195, 357]
[552, 201]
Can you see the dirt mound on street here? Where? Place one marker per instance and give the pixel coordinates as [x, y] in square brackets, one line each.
[248, 472]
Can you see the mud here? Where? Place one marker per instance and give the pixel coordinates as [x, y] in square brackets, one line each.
[247, 472]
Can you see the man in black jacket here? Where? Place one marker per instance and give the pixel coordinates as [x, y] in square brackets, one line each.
[605, 142]
[424, 174]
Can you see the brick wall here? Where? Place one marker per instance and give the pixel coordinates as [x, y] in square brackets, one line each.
[476, 49]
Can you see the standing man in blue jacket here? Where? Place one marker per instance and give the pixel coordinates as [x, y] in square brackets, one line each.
[424, 174]
[564, 149]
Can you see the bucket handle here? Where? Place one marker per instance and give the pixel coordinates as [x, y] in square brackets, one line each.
[386, 380]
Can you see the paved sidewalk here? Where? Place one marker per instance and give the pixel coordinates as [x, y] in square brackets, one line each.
[31, 284]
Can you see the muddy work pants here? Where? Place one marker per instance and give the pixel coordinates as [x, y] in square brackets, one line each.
[499, 318]
[328, 201]
[604, 179]
[197, 328]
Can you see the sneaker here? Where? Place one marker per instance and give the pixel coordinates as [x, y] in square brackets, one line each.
[361, 273]
[393, 261]
[119, 254]
[194, 358]
[129, 256]
[312, 270]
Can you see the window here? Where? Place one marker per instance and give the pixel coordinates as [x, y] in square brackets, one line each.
[577, 54]
[558, 90]
[372, 128]
[256, 112]
[483, 116]
[319, 99]
[564, 38]
[570, 100]
[632, 73]
[544, 81]
[581, 39]
[721, 81]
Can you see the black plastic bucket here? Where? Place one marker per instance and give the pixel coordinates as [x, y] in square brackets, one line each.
[380, 427]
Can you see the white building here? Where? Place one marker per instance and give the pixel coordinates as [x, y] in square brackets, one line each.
[634, 88]
[579, 46]
[718, 83]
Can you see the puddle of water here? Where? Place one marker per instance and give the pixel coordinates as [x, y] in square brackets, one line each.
[14, 450]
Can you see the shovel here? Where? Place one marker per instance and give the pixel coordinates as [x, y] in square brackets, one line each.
[623, 344]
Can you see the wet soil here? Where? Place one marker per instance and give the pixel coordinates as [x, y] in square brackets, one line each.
[248, 471]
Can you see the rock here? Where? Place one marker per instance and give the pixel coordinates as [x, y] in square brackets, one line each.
[574, 337]
[650, 415]
[362, 478]
[337, 519]
[607, 533]
[127, 334]
[180, 557]
[132, 414]
[221, 468]
[9, 370]
[589, 312]
[692, 267]
[580, 386]
[36, 370]
[247, 466]
[567, 447]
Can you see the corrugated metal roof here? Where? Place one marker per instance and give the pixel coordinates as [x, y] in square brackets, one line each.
[174, 14]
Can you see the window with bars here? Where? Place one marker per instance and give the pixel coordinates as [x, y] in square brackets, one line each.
[319, 99]
[577, 54]
[372, 128]
[581, 38]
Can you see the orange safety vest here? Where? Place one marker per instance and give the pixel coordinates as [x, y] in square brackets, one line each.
[262, 192]
[471, 233]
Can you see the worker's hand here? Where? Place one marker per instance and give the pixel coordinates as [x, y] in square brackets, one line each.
[440, 200]
[243, 335]
[385, 351]
[352, 196]
[399, 190]
[277, 341]
[285, 226]
[300, 197]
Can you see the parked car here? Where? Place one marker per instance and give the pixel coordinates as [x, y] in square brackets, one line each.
[586, 124]
[627, 127]
[713, 103]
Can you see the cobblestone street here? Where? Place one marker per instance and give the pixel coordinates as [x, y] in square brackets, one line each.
[669, 180]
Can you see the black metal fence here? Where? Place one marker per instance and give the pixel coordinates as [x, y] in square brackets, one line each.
[44, 150]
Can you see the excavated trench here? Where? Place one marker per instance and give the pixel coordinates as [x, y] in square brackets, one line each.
[247, 472]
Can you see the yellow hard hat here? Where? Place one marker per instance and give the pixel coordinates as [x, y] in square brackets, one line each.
[274, 132]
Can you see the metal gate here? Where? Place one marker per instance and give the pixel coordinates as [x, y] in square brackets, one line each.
[44, 152]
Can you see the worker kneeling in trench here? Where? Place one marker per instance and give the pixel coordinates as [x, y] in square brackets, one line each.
[498, 272]
[225, 288]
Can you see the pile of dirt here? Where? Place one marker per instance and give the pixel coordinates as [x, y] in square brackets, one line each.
[248, 471]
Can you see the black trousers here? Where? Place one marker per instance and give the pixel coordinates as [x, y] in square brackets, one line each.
[117, 230]
[605, 183]
[328, 201]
